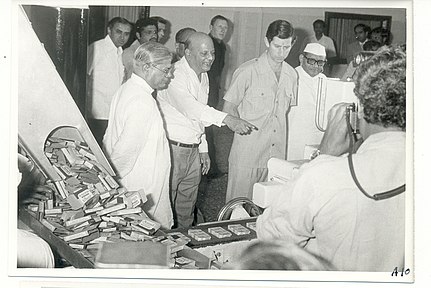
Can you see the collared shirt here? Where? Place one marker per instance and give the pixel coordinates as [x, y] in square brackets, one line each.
[128, 56]
[323, 210]
[302, 128]
[325, 41]
[136, 144]
[184, 109]
[106, 72]
[264, 102]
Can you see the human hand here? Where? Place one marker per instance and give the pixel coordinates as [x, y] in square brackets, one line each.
[335, 141]
[239, 125]
[36, 194]
[205, 162]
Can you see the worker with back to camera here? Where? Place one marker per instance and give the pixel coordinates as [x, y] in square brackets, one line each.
[351, 210]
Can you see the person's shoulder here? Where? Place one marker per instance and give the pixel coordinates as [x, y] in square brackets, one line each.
[290, 70]
[324, 167]
[249, 64]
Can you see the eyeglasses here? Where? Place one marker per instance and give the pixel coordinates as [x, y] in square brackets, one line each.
[312, 61]
[165, 71]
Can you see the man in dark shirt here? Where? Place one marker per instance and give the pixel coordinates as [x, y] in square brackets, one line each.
[218, 29]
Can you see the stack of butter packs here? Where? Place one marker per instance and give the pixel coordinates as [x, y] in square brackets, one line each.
[89, 208]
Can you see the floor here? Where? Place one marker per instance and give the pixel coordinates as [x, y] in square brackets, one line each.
[212, 193]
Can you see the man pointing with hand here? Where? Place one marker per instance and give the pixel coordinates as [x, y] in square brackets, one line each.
[186, 114]
[261, 92]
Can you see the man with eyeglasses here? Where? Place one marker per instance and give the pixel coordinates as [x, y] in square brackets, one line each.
[135, 140]
[261, 92]
[146, 30]
[186, 114]
[302, 129]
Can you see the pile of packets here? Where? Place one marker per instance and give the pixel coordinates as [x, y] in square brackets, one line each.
[88, 206]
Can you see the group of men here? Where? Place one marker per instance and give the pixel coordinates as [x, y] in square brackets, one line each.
[158, 146]
[157, 142]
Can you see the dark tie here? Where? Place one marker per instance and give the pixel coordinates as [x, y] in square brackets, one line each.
[154, 94]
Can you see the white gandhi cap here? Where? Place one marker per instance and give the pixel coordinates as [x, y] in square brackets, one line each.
[316, 49]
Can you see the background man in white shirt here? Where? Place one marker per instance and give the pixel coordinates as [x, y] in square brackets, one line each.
[302, 127]
[135, 140]
[105, 72]
[186, 114]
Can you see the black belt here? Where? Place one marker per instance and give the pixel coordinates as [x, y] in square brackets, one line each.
[183, 145]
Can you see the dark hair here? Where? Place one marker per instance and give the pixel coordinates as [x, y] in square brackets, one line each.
[144, 22]
[183, 33]
[218, 17]
[116, 20]
[160, 19]
[319, 21]
[281, 29]
[371, 45]
[380, 85]
[279, 255]
[363, 26]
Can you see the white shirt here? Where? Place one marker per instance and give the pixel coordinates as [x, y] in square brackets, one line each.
[302, 127]
[323, 211]
[105, 73]
[136, 144]
[128, 56]
[184, 109]
[325, 41]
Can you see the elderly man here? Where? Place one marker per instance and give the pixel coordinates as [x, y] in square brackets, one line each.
[351, 210]
[146, 30]
[302, 127]
[105, 72]
[261, 92]
[186, 114]
[135, 141]
[180, 41]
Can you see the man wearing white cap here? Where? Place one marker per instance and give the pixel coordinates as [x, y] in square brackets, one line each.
[302, 130]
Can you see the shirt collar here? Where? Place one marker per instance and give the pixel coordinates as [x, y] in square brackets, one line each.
[183, 62]
[111, 44]
[387, 139]
[264, 64]
[141, 82]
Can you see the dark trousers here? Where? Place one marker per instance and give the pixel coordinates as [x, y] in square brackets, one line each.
[98, 128]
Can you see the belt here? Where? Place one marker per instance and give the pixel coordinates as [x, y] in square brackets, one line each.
[183, 145]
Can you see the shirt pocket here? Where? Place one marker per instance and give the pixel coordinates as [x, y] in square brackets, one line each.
[259, 102]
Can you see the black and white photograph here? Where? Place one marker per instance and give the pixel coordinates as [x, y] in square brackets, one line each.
[212, 144]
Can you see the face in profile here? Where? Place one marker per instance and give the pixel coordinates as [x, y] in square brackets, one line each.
[119, 34]
[160, 74]
[278, 48]
[360, 34]
[161, 31]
